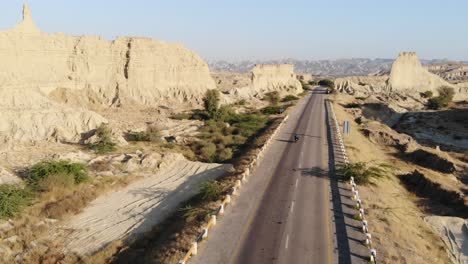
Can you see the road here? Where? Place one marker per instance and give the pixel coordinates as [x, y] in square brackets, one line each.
[283, 213]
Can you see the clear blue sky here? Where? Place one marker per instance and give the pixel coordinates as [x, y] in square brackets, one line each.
[266, 29]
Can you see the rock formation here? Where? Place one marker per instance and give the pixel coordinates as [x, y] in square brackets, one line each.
[43, 75]
[265, 78]
[408, 74]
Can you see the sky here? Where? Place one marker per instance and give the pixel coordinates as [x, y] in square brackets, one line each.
[236, 30]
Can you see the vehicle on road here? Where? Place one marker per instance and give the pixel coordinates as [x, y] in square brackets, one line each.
[296, 137]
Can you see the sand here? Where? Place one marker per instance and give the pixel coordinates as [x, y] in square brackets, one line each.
[139, 206]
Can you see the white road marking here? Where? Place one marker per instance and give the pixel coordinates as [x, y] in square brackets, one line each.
[292, 206]
[297, 181]
[287, 241]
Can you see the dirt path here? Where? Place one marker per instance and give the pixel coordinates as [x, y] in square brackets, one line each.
[139, 206]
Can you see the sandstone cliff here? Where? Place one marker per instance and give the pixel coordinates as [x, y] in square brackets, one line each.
[263, 78]
[56, 74]
[407, 75]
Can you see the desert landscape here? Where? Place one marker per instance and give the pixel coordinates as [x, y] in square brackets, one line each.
[119, 151]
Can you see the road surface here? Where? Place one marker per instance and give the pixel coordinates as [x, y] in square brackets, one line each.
[283, 215]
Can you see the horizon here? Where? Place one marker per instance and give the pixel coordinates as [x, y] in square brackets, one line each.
[236, 38]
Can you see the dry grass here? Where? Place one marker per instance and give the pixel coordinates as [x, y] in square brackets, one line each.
[60, 201]
[396, 222]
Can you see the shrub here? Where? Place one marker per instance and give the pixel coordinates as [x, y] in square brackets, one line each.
[427, 94]
[272, 97]
[210, 190]
[181, 116]
[13, 199]
[137, 136]
[327, 83]
[153, 133]
[446, 92]
[56, 181]
[104, 143]
[224, 155]
[273, 109]
[42, 170]
[211, 102]
[361, 173]
[190, 213]
[436, 103]
[313, 82]
[289, 98]
[241, 102]
[207, 152]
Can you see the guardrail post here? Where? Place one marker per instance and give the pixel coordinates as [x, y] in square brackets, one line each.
[205, 233]
[373, 256]
[221, 209]
[228, 198]
[195, 248]
[234, 191]
[213, 218]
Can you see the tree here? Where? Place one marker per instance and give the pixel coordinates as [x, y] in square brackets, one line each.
[211, 102]
[327, 83]
[446, 92]
[446, 95]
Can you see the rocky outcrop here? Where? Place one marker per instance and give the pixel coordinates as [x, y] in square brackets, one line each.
[43, 75]
[278, 77]
[454, 232]
[266, 78]
[408, 74]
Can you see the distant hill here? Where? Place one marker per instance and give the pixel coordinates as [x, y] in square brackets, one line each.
[333, 68]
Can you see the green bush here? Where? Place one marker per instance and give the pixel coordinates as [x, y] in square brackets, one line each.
[104, 143]
[289, 98]
[137, 136]
[190, 213]
[211, 102]
[361, 173]
[224, 155]
[13, 199]
[436, 103]
[313, 82]
[327, 83]
[181, 116]
[272, 97]
[208, 151]
[273, 109]
[42, 170]
[446, 93]
[210, 190]
[427, 94]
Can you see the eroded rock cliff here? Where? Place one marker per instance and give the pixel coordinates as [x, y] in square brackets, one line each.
[46, 79]
[407, 76]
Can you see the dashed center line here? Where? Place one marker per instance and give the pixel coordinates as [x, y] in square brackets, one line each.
[287, 241]
[292, 206]
[297, 181]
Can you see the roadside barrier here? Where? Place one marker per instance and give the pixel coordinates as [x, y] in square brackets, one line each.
[355, 197]
[228, 199]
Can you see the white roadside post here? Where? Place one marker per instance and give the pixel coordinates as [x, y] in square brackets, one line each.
[213, 217]
[221, 209]
[195, 248]
[373, 256]
[205, 233]
[368, 239]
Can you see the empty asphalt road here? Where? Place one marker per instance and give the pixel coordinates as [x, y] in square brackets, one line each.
[283, 213]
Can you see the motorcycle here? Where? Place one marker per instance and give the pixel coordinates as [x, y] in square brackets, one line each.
[296, 138]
